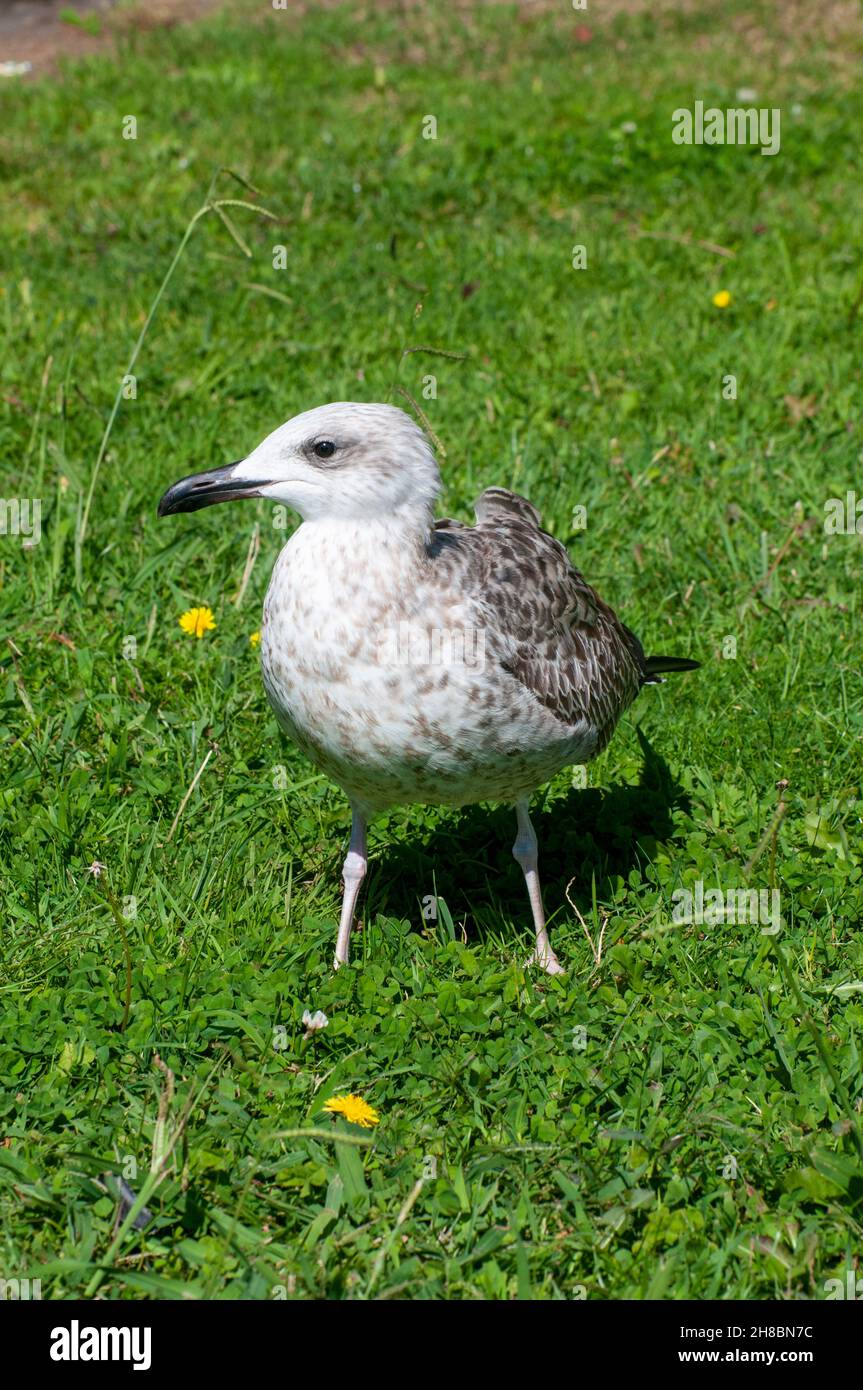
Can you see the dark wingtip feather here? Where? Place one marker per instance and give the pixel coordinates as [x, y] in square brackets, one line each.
[658, 665]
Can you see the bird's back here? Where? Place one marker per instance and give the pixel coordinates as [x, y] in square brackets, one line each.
[548, 627]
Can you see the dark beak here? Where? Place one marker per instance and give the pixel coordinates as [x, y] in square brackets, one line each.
[203, 489]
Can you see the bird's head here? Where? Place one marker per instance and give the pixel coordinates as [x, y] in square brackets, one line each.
[346, 460]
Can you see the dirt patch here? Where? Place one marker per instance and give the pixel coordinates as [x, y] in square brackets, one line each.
[35, 37]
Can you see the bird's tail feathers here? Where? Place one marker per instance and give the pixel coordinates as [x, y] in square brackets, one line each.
[655, 666]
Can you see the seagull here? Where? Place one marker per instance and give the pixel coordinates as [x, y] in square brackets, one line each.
[414, 660]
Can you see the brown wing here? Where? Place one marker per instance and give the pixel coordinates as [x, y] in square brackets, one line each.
[552, 631]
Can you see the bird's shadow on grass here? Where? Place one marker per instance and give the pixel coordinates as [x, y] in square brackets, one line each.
[584, 836]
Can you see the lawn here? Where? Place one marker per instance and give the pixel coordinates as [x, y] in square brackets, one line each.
[677, 1116]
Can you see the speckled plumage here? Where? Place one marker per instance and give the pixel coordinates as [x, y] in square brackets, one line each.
[557, 670]
[414, 660]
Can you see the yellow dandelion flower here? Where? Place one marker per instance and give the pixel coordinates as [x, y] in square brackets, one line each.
[197, 621]
[722, 299]
[255, 638]
[354, 1109]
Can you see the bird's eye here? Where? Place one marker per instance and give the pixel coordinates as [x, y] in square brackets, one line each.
[325, 448]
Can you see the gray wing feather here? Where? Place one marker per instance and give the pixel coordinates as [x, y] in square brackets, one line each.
[550, 630]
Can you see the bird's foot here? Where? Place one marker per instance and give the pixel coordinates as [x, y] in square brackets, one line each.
[544, 957]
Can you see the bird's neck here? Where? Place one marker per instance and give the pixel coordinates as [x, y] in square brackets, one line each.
[382, 558]
[396, 541]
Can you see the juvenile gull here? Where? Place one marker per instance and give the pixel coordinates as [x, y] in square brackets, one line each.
[415, 660]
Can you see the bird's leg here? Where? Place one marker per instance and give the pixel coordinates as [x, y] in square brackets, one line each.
[525, 853]
[353, 873]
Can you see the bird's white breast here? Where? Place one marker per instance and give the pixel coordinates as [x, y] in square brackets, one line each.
[385, 681]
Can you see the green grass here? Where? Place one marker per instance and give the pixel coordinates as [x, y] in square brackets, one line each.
[680, 1119]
